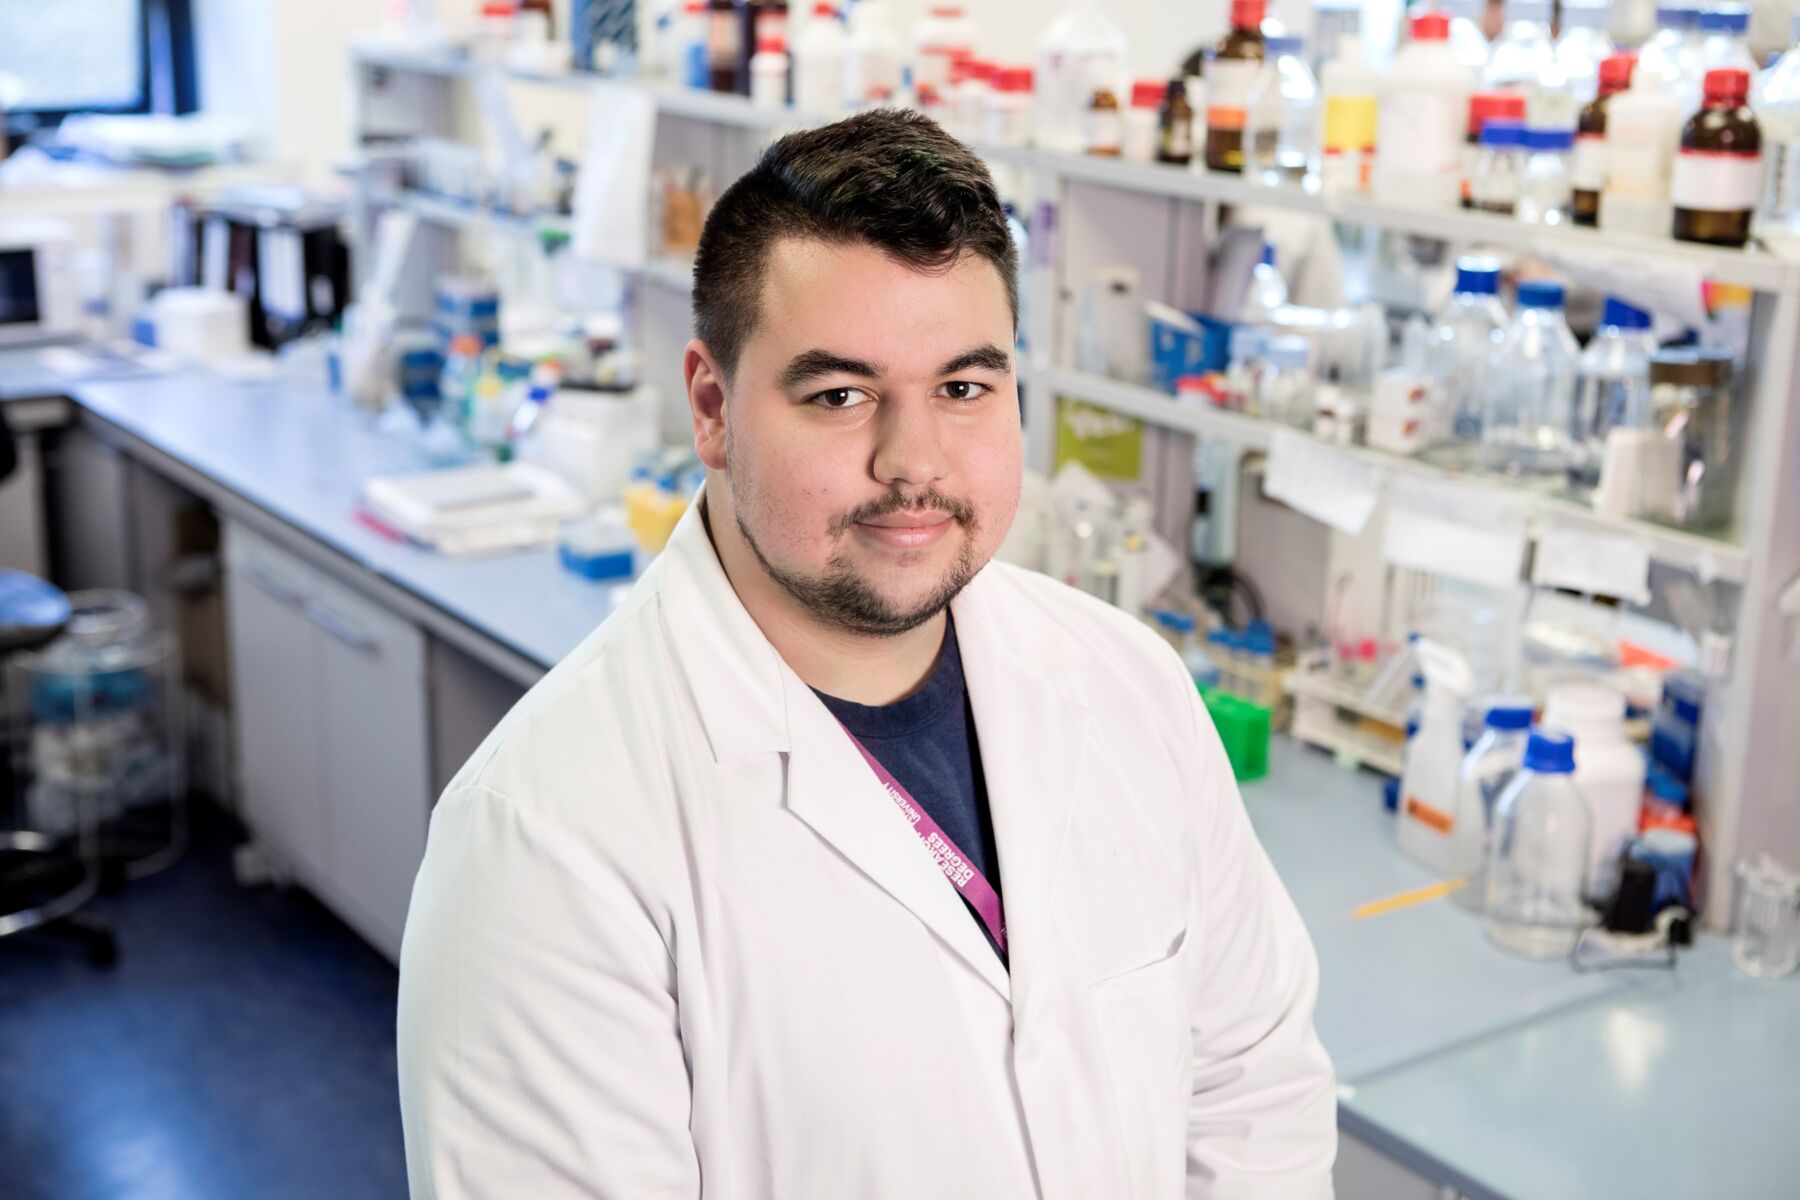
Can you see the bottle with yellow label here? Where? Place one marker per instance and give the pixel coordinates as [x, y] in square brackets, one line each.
[1350, 88]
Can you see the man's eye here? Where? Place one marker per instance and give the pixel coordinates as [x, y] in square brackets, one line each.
[965, 389]
[846, 397]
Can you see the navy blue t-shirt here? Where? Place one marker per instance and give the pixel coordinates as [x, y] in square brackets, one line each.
[928, 742]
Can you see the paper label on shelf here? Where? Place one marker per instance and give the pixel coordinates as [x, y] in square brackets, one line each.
[1320, 482]
[611, 221]
[1592, 561]
[1717, 181]
[1451, 531]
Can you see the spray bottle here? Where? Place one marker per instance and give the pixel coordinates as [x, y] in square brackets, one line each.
[1434, 755]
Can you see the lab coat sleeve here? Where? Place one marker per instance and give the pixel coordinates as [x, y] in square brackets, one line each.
[539, 1052]
[1262, 1121]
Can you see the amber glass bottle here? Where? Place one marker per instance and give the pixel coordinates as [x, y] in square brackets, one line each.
[1587, 174]
[1718, 174]
[1230, 77]
[1175, 132]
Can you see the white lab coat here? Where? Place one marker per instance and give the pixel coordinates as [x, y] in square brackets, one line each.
[672, 939]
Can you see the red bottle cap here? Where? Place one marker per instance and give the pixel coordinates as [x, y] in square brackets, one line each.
[1248, 14]
[1431, 27]
[771, 43]
[1727, 87]
[824, 10]
[1615, 72]
[946, 10]
[1015, 79]
[1494, 106]
[1147, 93]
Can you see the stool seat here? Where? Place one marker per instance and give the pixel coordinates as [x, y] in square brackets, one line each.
[32, 612]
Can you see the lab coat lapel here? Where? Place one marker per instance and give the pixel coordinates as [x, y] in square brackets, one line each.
[833, 790]
[1032, 739]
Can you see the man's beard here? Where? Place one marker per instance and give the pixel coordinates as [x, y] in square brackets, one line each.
[847, 601]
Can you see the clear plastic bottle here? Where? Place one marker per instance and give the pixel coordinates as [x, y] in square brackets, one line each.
[1496, 757]
[1531, 388]
[1268, 290]
[1081, 45]
[1287, 382]
[1583, 46]
[1723, 29]
[1285, 109]
[1545, 188]
[1524, 56]
[1423, 112]
[1672, 55]
[1776, 101]
[1615, 387]
[1467, 42]
[1537, 867]
[1499, 168]
[1461, 347]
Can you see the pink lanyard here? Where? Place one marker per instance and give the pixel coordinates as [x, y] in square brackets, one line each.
[950, 860]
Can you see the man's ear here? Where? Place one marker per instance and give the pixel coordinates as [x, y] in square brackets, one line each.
[706, 403]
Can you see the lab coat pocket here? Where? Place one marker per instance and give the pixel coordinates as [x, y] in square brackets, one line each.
[1144, 1022]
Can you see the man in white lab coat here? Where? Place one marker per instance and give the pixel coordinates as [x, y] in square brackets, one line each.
[841, 862]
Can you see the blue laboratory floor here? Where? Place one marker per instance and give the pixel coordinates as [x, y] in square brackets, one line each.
[241, 1049]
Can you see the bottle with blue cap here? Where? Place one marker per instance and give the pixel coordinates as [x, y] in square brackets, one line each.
[1615, 387]
[1538, 856]
[1490, 765]
[1499, 166]
[1724, 33]
[1531, 388]
[1546, 191]
[1461, 342]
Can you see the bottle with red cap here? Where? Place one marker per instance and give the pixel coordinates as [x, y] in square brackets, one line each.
[1142, 121]
[1485, 107]
[1718, 173]
[1009, 108]
[1231, 75]
[769, 71]
[946, 34]
[1587, 175]
[1424, 107]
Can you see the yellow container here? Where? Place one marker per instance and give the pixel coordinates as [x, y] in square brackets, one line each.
[652, 514]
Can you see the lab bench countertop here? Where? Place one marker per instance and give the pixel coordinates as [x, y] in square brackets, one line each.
[1506, 1077]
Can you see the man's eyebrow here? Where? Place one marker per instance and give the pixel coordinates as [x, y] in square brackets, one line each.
[989, 357]
[811, 364]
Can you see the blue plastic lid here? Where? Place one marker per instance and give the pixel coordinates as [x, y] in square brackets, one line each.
[1259, 641]
[1549, 139]
[1550, 753]
[1221, 637]
[1624, 316]
[1268, 254]
[1667, 788]
[1284, 43]
[1503, 133]
[1180, 622]
[1725, 19]
[1540, 293]
[1390, 795]
[1677, 16]
[1509, 714]
[1477, 275]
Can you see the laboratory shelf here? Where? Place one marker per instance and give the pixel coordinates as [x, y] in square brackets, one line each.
[460, 214]
[1710, 557]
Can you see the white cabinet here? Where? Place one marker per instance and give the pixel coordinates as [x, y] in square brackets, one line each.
[332, 733]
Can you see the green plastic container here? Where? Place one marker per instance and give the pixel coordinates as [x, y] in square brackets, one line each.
[1243, 728]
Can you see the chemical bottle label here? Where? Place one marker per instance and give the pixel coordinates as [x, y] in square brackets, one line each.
[1421, 134]
[1588, 171]
[1349, 123]
[1717, 181]
[1229, 82]
[1434, 819]
[724, 39]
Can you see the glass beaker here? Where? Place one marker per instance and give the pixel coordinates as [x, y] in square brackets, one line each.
[1765, 939]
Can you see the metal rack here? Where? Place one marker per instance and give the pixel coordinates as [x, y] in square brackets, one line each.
[1138, 212]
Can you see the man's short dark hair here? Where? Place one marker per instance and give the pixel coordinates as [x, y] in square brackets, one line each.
[888, 178]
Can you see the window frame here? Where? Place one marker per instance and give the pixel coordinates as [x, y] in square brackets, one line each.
[168, 80]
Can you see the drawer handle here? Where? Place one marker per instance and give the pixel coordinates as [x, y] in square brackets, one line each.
[341, 629]
[276, 589]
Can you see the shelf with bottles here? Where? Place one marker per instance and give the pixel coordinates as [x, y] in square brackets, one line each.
[1714, 557]
[456, 213]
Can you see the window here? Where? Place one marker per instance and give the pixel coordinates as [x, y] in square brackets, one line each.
[66, 56]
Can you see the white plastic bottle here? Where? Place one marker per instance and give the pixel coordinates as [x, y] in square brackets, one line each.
[1524, 54]
[769, 72]
[1467, 42]
[1008, 116]
[1486, 770]
[1434, 756]
[1141, 121]
[819, 64]
[1776, 102]
[1347, 144]
[1424, 108]
[1643, 129]
[1609, 770]
[1081, 46]
[946, 33]
[871, 57]
[1583, 46]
